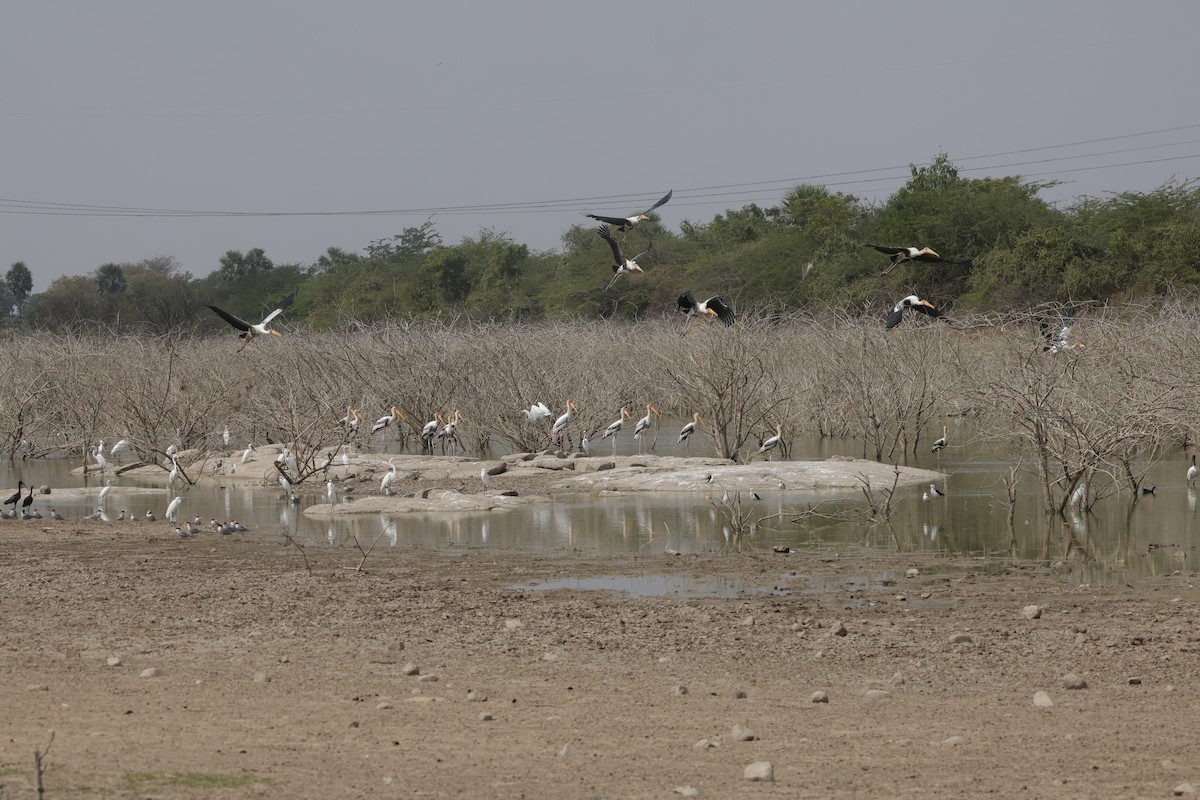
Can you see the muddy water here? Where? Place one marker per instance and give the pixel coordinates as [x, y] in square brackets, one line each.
[1117, 541]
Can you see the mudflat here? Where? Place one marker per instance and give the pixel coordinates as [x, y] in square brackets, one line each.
[238, 666]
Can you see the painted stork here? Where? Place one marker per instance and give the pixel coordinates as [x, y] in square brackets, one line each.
[615, 426]
[899, 255]
[643, 425]
[685, 433]
[248, 329]
[702, 308]
[916, 304]
[623, 224]
[621, 265]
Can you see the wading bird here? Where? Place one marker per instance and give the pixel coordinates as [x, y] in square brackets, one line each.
[383, 422]
[940, 443]
[449, 431]
[935, 492]
[623, 224]
[702, 308]
[28, 501]
[387, 479]
[615, 426]
[643, 425]
[1192, 472]
[536, 411]
[621, 265]
[685, 433]
[430, 429]
[916, 304]
[104, 492]
[16, 496]
[773, 442]
[118, 447]
[899, 255]
[173, 508]
[248, 329]
[560, 424]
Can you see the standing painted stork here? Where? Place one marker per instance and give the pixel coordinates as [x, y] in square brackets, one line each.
[1192, 472]
[449, 431]
[560, 424]
[429, 429]
[942, 442]
[384, 421]
[773, 442]
[621, 265]
[643, 425]
[615, 426]
[623, 224]
[248, 329]
[685, 433]
[702, 308]
[900, 255]
[916, 304]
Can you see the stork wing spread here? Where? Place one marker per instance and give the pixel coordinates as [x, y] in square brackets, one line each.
[284, 303]
[235, 321]
[724, 312]
[645, 252]
[891, 251]
[925, 308]
[663, 201]
[609, 220]
[616, 247]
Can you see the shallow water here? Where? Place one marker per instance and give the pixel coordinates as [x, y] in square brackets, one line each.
[1117, 541]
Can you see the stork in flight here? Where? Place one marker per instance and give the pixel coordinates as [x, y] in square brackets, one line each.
[623, 224]
[248, 329]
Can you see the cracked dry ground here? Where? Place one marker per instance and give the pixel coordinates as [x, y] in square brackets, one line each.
[280, 682]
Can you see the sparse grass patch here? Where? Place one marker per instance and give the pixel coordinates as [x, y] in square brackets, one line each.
[143, 781]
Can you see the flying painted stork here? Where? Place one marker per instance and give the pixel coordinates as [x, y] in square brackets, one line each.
[621, 265]
[900, 255]
[248, 329]
[916, 304]
[714, 306]
[623, 224]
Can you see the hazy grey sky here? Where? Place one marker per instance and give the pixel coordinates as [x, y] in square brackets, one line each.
[314, 107]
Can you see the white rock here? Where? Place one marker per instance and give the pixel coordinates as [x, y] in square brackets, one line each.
[877, 694]
[912, 572]
[898, 679]
[955, 741]
[474, 696]
[37, 687]
[384, 706]
[428, 678]
[706, 744]
[485, 716]
[1183, 788]
[1031, 612]
[262, 677]
[410, 669]
[820, 697]
[113, 661]
[151, 672]
[1073, 681]
[687, 791]
[680, 691]
[742, 734]
[512, 623]
[759, 771]
[549, 656]
[1042, 700]
[747, 622]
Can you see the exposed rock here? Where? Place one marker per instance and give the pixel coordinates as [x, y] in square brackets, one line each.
[877, 694]
[410, 669]
[759, 771]
[961, 638]
[151, 672]
[1042, 700]
[820, 697]
[742, 734]
[1073, 681]
[262, 677]
[1031, 612]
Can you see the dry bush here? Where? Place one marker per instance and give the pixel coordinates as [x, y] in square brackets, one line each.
[1096, 417]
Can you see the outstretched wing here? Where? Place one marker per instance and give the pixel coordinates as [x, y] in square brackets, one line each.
[927, 308]
[616, 247]
[233, 320]
[663, 201]
[891, 251]
[284, 303]
[724, 312]
[645, 252]
[609, 220]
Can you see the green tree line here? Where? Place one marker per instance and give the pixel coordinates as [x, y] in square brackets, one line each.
[809, 251]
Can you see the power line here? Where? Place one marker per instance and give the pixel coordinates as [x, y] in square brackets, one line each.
[684, 197]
